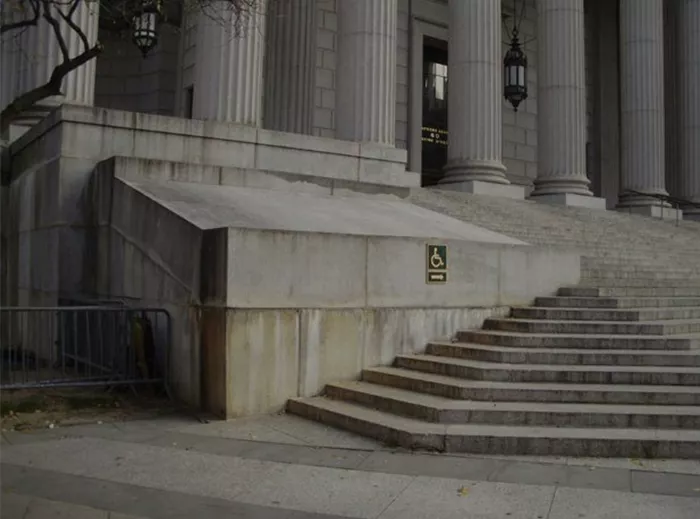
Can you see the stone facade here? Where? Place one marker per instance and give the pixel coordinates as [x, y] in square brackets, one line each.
[214, 148]
[594, 153]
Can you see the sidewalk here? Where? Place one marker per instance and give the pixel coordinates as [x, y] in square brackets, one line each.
[283, 467]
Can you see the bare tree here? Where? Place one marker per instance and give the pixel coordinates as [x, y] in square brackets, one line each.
[115, 16]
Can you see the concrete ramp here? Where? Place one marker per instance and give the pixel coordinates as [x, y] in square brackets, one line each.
[213, 206]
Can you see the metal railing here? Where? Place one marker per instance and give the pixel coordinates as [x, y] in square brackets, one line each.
[676, 203]
[84, 346]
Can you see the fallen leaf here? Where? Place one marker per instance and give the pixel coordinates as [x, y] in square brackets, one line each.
[463, 491]
[637, 462]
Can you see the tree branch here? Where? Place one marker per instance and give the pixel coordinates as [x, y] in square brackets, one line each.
[57, 31]
[7, 27]
[68, 18]
[51, 88]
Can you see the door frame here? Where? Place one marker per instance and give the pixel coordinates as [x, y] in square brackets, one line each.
[419, 30]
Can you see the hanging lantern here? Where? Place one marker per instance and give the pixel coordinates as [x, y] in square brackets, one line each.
[515, 73]
[145, 36]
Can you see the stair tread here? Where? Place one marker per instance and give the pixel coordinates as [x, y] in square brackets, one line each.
[569, 351]
[444, 403]
[602, 322]
[411, 425]
[608, 310]
[625, 298]
[508, 333]
[550, 367]
[532, 386]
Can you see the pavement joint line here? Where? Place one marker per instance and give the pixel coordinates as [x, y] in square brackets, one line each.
[551, 502]
[280, 453]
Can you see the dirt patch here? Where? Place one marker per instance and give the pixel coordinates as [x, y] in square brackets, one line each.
[25, 409]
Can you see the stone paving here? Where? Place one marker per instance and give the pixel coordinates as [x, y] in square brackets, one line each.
[284, 467]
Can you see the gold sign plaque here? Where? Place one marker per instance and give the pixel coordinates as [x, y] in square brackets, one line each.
[436, 264]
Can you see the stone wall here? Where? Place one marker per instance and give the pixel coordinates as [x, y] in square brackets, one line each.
[276, 354]
[300, 310]
[345, 291]
[52, 164]
[127, 81]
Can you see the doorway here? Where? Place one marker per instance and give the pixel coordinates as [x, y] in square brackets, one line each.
[434, 111]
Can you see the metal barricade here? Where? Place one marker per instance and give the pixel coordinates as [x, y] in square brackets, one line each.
[83, 346]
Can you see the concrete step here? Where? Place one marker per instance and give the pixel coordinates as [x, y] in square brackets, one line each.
[579, 341]
[574, 356]
[489, 391]
[446, 410]
[504, 440]
[617, 302]
[676, 327]
[638, 273]
[640, 282]
[597, 314]
[562, 373]
[649, 291]
[632, 265]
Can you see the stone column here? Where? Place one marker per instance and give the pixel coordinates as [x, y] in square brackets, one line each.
[689, 180]
[561, 105]
[41, 54]
[642, 101]
[8, 66]
[229, 65]
[475, 97]
[290, 66]
[366, 78]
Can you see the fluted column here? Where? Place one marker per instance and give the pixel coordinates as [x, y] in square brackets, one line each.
[41, 54]
[229, 65]
[561, 99]
[10, 58]
[474, 95]
[366, 78]
[290, 66]
[642, 101]
[690, 103]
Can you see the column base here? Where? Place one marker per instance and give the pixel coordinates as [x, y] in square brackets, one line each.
[655, 211]
[571, 200]
[479, 187]
[628, 199]
[562, 186]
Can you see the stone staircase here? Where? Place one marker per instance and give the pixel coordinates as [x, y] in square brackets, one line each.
[608, 368]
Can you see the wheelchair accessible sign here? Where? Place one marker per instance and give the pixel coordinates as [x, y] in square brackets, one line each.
[436, 264]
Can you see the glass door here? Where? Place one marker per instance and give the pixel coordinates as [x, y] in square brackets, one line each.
[434, 123]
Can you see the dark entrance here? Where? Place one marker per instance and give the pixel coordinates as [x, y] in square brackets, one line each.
[434, 124]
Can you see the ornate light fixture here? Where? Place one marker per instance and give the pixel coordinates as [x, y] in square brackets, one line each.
[145, 35]
[515, 66]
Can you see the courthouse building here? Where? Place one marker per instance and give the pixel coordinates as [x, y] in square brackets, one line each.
[260, 177]
[612, 87]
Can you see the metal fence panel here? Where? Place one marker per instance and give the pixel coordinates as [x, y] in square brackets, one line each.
[83, 345]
